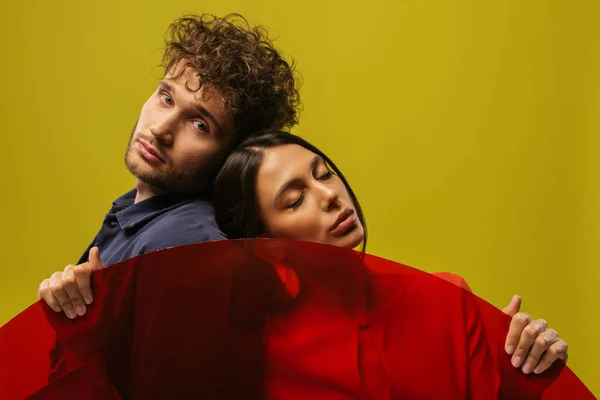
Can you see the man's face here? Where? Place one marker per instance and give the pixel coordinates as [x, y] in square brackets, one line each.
[180, 135]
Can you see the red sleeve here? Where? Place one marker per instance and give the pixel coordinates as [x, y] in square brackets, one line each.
[488, 366]
[513, 383]
[483, 378]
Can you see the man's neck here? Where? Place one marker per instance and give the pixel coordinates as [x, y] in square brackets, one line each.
[145, 191]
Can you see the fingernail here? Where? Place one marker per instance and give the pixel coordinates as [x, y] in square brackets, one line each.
[516, 362]
[88, 299]
[538, 369]
[510, 349]
[70, 314]
[527, 368]
[80, 310]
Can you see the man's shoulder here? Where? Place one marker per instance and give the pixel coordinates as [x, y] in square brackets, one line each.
[191, 222]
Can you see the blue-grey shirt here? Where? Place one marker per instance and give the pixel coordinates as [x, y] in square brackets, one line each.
[156, 223]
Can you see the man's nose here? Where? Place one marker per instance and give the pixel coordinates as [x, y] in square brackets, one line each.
[164, 128]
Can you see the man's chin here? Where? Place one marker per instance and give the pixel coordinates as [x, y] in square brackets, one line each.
[168, 186]
[142, 171]
[165, 182]
[154, 181]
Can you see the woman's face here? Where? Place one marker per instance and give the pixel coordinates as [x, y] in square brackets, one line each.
[300, 198]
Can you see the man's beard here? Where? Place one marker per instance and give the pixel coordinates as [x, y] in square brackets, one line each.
[170, 181]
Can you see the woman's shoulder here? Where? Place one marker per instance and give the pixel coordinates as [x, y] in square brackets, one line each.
[454, 278]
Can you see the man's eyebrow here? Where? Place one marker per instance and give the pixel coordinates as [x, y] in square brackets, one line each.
[313, 164]
[205, 113]
[164, 85]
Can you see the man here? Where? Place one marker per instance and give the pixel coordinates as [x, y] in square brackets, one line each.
[223, 82]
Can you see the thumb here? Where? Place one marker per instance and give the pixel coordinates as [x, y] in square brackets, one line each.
[513, 307]
[94, 259]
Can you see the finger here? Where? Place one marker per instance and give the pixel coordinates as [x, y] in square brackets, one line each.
[42, 287]
[94, 259]
[513, 307]
[528, 336]
[540, 345]
[70, 284]
[45, 294]
[518, 322]
[59, 292]
[558, 350]
[83, 276]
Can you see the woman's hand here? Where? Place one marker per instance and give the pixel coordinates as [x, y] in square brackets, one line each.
[533, 346]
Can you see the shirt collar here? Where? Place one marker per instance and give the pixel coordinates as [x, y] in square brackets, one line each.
[132, 215]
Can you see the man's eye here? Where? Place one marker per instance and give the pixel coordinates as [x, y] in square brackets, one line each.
[165, 98]
[200, 125]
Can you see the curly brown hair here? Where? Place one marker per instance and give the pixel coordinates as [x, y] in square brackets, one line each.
[258, 86]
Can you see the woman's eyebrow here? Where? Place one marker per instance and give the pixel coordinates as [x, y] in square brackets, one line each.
[313, 164]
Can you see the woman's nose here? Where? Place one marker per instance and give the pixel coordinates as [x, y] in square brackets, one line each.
[331, 198]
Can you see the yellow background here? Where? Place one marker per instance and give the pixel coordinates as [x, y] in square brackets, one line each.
[468, 128]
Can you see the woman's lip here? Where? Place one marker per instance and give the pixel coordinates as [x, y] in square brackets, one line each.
[345, 221]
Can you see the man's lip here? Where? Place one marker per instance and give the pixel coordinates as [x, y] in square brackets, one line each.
[151, 149]
[341, 218]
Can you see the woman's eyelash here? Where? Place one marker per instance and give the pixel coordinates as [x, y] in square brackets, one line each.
[297, 203]
[325, 176]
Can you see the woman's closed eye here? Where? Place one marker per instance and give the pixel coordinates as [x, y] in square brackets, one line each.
[297, 202]
[325, 176]
[320, 170]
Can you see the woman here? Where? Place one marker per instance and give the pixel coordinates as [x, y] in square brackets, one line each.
[280, 186]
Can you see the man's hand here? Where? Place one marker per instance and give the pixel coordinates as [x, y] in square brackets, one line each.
[531, 344]
[70, 290]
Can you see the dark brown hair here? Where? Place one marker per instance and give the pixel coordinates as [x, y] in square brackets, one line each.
[258, 86]
[234, 190]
